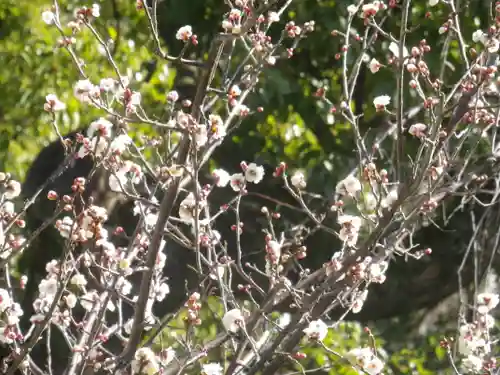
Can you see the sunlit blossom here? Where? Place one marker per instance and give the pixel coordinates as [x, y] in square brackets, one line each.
[316, 330]
[380, 102]
[365, 359]
[237, 181]
[184, 33]
[349, 185]
[233, 320]
[254, 173]
[374, 65]
[53, 104]
[211, 369]
[48, 17]
[222, 177]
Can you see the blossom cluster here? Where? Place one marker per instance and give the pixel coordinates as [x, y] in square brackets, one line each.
[474, 341]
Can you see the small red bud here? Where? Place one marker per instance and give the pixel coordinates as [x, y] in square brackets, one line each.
[299, 355]
[52, 195]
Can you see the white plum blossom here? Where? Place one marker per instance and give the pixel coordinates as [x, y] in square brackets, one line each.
[349, 185]
[352, 9]
[219, 270]
[394, 49]
[380, 102]
[48, 288]
[358, 301]
[187, 208]
[70, 300]
[234, 91]
[493, 45]
[377, 272]
[222, 177]
[254, 173]
[129, 171]
[5, 300]
[15, 312]
[232, 320]
[78, 280]
[88, 300]
[91, 299]
[470, 340]
[145, 362]
[418, 130]
[237, 181]
[53, 104]
[173, 96]
[84, 90]
[120, 143]
[7, 208]
[184, 33]
[48, 17]
[96, 10]
[349, 220]
[374, 65]
[365, 359]
[7, 334]
[316, 330]
[107, 84]
[161, 291]
[217, 128]
[13, 189]
[162, 257]
[487, 302]
[472, 363]
[134, 102]
[479, 36]
[370, 9]
[212, 369]
[242, 110]
[433, 3]
[200, 135]
[97, 145]
[166, 356]
[298, 180]
[101, 126]
[52, 267]
[273, 17]
[284, 320]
